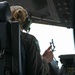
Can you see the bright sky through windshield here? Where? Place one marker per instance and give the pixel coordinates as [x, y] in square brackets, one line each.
[62, 36]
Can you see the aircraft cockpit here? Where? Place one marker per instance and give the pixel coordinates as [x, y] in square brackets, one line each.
[52, 24]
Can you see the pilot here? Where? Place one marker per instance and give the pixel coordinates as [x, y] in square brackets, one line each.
[32, 61]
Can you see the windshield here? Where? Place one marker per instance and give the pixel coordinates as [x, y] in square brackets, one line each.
[63, 38]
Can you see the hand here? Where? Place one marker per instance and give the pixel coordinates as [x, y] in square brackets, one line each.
[48, 55]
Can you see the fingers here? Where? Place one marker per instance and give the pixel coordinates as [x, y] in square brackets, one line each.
[48, 57]
[47, 51]
[49, 48]
[50, 54]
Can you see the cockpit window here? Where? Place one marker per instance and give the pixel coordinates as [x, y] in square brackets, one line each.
[63, 38]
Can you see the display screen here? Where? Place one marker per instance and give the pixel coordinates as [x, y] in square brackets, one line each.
[71, 70]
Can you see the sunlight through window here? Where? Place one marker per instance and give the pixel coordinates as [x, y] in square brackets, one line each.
[62, 36]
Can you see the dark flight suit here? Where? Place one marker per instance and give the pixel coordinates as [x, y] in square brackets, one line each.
[31, 59]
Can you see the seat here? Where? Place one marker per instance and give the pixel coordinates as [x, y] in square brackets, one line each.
[10, 56]
[5, 14]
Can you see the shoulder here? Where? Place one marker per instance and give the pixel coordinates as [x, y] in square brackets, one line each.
[30, 40]
[28, 37]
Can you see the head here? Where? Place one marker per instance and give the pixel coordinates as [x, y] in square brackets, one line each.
[18, 13]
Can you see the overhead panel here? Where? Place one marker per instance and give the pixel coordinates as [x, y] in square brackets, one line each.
[51, 12]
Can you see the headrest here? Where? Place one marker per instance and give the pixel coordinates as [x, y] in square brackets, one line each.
[5, 11]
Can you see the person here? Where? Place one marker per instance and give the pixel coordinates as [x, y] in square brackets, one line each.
[33, 62]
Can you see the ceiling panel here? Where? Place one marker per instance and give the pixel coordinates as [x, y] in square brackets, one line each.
[52, 12]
